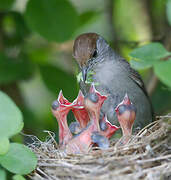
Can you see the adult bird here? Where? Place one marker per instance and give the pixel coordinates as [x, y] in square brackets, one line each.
[113, 76]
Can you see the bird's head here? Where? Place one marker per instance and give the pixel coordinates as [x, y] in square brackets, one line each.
[125, 106]
[87, 51]
[61, 105]
[94, 100]
[126, 114]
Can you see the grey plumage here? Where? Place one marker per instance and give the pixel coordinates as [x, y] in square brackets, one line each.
[114, 76]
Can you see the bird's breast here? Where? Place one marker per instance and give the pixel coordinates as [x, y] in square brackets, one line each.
[108, 73]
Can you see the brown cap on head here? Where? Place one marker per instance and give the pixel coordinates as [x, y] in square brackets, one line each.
[84, 47]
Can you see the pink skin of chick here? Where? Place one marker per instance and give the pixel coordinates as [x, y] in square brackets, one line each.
[79, 111]
[82, 117]
[126, 114]
[60, 109]
[94, 107]
[110, 128]
[82, 142]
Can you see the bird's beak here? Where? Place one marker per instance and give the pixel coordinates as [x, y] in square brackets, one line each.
[84, 73]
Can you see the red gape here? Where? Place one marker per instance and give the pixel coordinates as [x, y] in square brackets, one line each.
[83, 141]
[60, 109]
[93, 103]
[79, 111]
[87, 113]
[110, 128]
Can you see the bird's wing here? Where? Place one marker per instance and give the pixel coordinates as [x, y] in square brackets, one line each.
[135, 76]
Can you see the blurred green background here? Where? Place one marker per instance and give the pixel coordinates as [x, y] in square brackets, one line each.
[36, 39]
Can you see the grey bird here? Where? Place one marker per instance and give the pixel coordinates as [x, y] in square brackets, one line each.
[112, 76]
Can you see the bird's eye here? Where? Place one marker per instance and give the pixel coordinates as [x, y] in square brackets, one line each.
[94, 53]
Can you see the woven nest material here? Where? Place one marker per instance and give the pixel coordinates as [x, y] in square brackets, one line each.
[146, 156]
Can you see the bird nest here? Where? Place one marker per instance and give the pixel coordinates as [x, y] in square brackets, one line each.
[146, 156]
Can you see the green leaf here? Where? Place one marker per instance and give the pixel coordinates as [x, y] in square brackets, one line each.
[14, 29]
[19, 159]
[168, 10]
[11, 120]
[161, 98]
[151, 52]
[13, 69]
[4, 145]
[86, 17]
[56, 79]
[163, 71]
[6, 4]
[18, 177]
[138, 64]
[56, 20]
[2, 174]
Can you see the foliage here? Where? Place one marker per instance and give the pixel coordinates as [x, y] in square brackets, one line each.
[16, 158]
[52, 76]
[19, 159]
[6, 4]
[53, 14]
[156, 56]
[168, 10]
[12, 69]
[11, 119]
[18, 177]
[2, 174]
[4, 145]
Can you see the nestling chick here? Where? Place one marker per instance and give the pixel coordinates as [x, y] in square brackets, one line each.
[83, 141]
[93, 103]
[126, 113]
[60, 109]
[80, 114]
[107, 129]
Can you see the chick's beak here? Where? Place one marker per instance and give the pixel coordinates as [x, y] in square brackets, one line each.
[84, 73]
